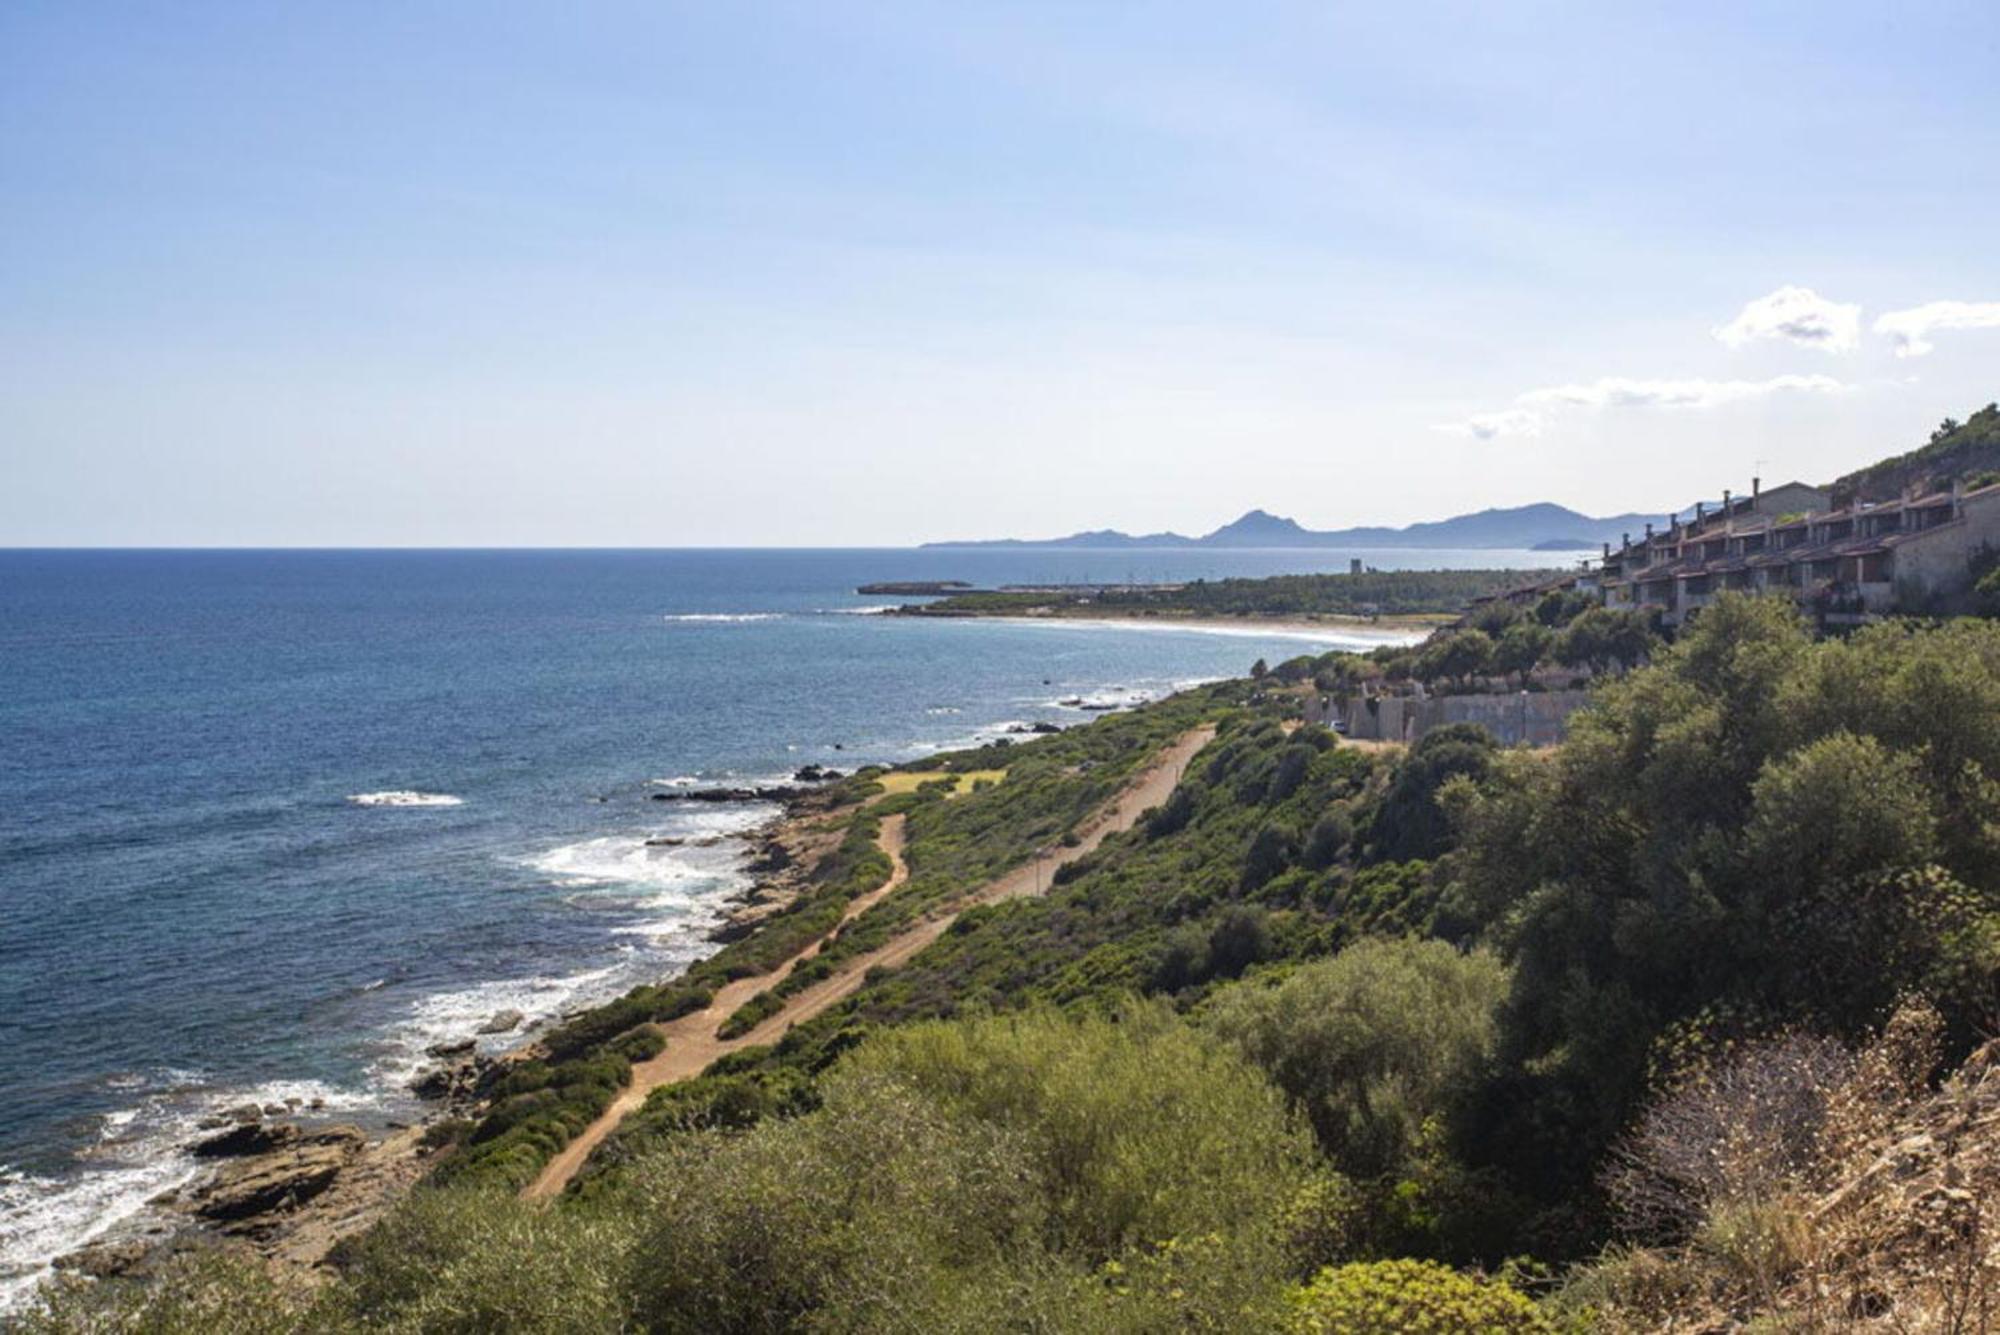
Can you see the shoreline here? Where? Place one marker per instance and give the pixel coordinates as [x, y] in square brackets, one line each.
[1333, 629]
[311, 1178]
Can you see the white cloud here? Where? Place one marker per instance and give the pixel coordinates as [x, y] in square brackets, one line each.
[1490, 426]
[1799, 315]
[1912, 328]
[1625, 392]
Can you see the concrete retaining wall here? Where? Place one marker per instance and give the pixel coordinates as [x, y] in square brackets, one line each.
[1519, 718]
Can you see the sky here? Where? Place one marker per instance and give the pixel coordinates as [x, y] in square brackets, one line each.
[500, 273]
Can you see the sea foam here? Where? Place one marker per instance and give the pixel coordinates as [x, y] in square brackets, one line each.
[723, 618]
[405, 797]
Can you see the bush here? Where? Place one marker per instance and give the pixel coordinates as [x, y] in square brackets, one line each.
[483, 1260]
[1416, 1297]
[958, 1169]
[1371, 1043]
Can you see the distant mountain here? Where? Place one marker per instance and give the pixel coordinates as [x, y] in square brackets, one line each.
[1546, 526]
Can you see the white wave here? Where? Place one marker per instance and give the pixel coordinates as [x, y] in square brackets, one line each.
[140, 1152]
[405, 797]
[621, 860]
[723, 618]
[450, 1017]
[42, 1218]
[880, 609]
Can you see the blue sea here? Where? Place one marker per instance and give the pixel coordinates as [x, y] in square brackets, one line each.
[271, 823]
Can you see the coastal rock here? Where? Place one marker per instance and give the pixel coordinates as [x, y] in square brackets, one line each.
[504, 1022]
[771, 857]
[278, 1181]
[107, 1259]
[454, 1051]
[244, 1112]
[766, 793]
[247, 1138]
[459, 1082]
[275, 1109]
[815, 774]
[1036, 729]
[665, 841]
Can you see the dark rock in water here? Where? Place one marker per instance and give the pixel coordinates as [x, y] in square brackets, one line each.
[665, 841]
[247, 1138]
[1074, 702]
[1037, 729]
[275, 1110]
[815, 774]
[1099, 708]
[460, 1081]
[245, 1112]
[771, 793]
[505, 1022]
[281, 1180]
[454, 1051]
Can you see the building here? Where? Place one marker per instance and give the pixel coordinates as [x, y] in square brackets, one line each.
[1847, 565]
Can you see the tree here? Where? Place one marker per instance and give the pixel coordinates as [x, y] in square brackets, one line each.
[1494, 617]
[1372, 1043]
[1602, 637]
[1259, 669]
[1521, 649]
[1459, 657]
[1755, 826]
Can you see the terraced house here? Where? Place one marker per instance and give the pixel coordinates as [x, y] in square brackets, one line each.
[1846, 564]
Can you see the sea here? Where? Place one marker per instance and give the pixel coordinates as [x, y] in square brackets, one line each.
[274, 822]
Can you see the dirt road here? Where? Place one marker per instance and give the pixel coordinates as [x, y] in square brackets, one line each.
[691, 1040]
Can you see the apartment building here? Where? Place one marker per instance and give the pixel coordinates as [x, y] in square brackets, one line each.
[1847, 565]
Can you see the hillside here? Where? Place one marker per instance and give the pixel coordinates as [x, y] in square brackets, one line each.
[1655, 1030]
[1519, 527]
[1956, 451]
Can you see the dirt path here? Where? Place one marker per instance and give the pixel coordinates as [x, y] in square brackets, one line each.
[691, 1040]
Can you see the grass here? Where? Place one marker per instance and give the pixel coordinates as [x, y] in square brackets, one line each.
[951, 785]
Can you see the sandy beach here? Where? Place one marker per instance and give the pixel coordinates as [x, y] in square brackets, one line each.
[1337, 632]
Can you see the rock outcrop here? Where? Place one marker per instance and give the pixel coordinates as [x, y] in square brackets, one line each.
[241, 1193]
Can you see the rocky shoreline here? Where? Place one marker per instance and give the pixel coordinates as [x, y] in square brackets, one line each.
[281, 1183]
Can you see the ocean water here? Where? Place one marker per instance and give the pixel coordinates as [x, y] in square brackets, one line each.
[271, 823]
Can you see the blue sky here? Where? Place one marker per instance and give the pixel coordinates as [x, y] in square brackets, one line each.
[660, 274]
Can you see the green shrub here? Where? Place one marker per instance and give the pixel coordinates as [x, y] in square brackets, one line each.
[1412, 1297]
[751, 1014]
[642, 1044]
[476, 1261]
[1371, 1043]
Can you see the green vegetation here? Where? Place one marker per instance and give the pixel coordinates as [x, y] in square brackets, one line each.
[1374, 592]
[1323, 1042]
[1418, 1297]
[1957, 450]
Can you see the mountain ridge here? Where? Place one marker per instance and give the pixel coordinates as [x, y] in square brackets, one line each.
[1516, 527]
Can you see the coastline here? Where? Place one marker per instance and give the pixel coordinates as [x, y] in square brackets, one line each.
[1338, 630]
[307, 1179]
[363, 1149]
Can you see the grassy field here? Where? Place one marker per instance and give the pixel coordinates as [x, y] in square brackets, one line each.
[950, 784]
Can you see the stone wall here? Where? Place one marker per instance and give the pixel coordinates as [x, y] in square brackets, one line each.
[1517, 718]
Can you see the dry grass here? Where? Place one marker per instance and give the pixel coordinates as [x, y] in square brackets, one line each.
[908, 781]
[1800, 1186]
